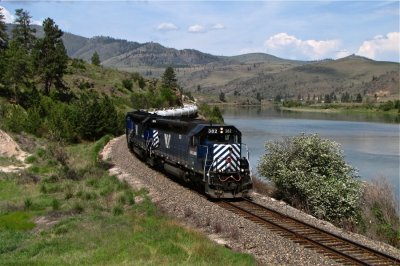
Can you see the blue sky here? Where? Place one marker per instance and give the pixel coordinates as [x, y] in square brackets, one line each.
[304, 30]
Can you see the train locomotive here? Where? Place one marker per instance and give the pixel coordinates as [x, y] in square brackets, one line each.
[208, 155]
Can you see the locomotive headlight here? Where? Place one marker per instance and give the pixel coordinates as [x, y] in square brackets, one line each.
[242, 170]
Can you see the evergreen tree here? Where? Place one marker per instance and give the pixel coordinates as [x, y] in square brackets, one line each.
[95, 59]
[18, 71]
[3, 31]
[3, 45]
[23, 34]
[222, 97]
[141, 82]
[17, 63]
[169, 79]
[345, 97]
[50, 57]
[359, 98]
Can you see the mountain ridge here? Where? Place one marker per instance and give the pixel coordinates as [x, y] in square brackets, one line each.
[256, 75]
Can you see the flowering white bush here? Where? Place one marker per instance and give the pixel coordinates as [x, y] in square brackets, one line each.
[310, 172]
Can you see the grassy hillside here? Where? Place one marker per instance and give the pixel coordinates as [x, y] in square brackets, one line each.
[82, 77]
[65, 209]
[351, 74]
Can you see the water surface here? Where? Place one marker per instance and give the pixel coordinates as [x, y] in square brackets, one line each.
[369, 143]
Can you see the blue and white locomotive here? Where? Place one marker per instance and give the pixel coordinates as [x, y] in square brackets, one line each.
[195, 150]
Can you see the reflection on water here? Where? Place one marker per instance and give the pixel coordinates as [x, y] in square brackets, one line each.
[369, 142]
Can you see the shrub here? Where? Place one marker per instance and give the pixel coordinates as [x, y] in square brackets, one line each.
[128, 84]
[43, 188]
[28, 203]
[13, 118]
[98, 117]
[118, 210]
[213, 114]
[311, 173]
[55, 204]
[262, 187]
[78, 207]
[31, 159]
[129, 197]
[379, 212]
[387, 106]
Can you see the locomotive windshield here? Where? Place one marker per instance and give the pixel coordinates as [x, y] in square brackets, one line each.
[220, 138]
[217, 135]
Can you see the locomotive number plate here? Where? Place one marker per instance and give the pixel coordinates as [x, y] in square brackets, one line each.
[220, 130]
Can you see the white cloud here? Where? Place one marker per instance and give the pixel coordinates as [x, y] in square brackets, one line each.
[37, 22]
[218, 26]
[166, 26]
[197, 28]
[288, 46]
[342, 53]
[381, 47]
[8, 17]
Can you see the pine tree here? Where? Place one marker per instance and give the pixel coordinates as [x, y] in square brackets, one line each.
[3, 45]
[169, 79]
[222, 96]
[50, 56]
[3, 31]
[95, 59]
[359, 98]
[23, 34]
[18, 71]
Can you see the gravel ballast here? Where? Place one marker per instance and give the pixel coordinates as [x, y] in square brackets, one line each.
[220, 225]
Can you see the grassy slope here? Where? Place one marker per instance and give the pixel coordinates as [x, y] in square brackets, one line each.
[87, 77]
[91, 218]
[269, 78]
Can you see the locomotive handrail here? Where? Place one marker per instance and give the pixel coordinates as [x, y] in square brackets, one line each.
[248, 159]
[205, 162]
[209, 169]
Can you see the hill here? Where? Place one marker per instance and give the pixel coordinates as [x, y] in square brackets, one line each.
[352, 74]
[256, 75]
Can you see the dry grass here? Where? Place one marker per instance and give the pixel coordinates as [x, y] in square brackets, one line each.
[263, 187]
[380, 212]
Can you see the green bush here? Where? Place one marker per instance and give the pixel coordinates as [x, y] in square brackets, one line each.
[13, 117]
[311, 173]
[28, 203]
[128, 84]
[118, 210]
[211, 113]
[55, 204]
[387, 106]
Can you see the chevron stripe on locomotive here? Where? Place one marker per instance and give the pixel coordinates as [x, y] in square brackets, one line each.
[194, 150]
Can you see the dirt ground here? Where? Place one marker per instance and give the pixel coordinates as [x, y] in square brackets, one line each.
[9, 148]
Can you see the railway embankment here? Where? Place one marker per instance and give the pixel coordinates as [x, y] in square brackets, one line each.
[219, 224]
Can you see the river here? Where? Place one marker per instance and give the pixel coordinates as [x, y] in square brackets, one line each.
[369, 143]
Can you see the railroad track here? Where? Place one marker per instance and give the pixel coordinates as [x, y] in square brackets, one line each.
[335, 247]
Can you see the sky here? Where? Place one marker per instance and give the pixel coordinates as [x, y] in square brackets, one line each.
[301, 30]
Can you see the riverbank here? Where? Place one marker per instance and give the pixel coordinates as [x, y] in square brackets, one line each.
[343, 108]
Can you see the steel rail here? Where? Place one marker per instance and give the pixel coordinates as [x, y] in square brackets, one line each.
[336, 247]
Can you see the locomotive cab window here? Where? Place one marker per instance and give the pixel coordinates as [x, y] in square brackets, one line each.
[219, 138]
